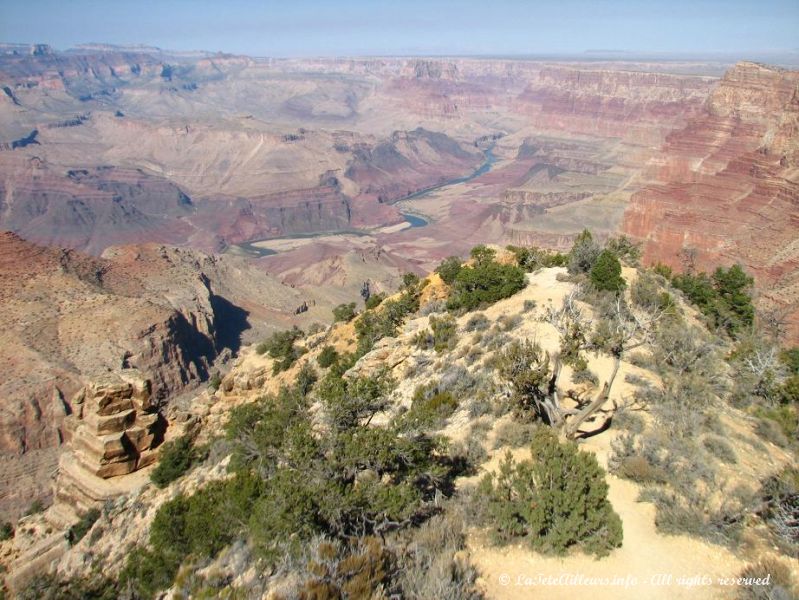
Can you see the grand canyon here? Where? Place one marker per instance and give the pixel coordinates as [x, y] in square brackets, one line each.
[163, 211]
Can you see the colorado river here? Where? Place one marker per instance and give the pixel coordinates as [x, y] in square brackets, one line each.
[252, 248]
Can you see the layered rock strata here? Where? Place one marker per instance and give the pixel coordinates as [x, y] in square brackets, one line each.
[726, 187]
[114, 425]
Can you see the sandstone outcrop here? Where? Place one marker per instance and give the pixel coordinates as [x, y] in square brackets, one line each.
[68, 318]
[114, 425]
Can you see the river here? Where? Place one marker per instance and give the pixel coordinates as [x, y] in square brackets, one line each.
[251, 249]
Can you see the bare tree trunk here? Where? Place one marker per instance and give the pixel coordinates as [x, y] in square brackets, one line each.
[596, 404]
[553, 408]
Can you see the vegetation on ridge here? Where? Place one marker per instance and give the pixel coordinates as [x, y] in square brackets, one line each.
[343, 483]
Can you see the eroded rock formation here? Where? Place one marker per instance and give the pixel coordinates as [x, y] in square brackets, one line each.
[67, 318]
[726, 186]
[113, 425]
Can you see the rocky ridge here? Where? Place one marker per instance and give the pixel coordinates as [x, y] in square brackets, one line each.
[126, 519]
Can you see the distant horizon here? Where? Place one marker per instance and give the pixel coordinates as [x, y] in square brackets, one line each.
[317, 28]
[588, 55]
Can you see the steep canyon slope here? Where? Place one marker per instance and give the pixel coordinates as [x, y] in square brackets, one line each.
[725, 188]
[67, 317]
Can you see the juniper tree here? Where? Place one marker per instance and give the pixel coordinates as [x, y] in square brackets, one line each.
[557, 499]
[606, 273]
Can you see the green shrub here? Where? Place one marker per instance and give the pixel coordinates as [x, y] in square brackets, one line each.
[558, 499]
[409, 281]
[786, 417]
[433, 566]
[779, 495]
[583, 254]
[327, 357]
[6, 531]
[175, 458]
[639, 469]
[509, 323]
[484, 284]
[374, 301]
[733, 286]
[471, 451]
[771, 431]
[720, 448]
[514, 434]
[482, 254]
[78, 531]
[293, 482]
[344, 313]
[788, 391]
[146, 572]
[449, 268]
[430, 407]
[215, 381]
[525, 367]
[531, 258]
[315, 328]
[199, 525]
[664, 271]
[374, 325]
[724, 298]
[477, 322]
[629, 421]
[445, 332]
[281, 347]
[49, 586]
[306, 378]
[606, 273]
[646, 293]
[790, 358]
[691, 514]
[625, 249]
[360, 570]
[35, 508]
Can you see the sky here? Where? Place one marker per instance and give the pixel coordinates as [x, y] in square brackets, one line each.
[407, 27]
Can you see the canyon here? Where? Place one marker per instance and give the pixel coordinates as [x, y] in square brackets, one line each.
[163, 208]
[69, 318]
[726, 188]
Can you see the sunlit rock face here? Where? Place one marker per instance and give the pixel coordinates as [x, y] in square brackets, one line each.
[726, 186]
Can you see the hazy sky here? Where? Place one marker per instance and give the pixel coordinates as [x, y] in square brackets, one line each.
[361, 27]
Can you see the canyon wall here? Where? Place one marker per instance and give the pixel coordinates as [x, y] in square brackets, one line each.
[67, 317]
[727, 186]
[636, 106]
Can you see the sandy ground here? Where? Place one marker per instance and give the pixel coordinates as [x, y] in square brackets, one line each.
[642, 566]
[648, 565]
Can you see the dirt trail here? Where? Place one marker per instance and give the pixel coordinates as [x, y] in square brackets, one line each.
[639, 566]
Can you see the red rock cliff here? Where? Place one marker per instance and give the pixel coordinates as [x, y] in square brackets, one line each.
[727, 185]
[66, 317]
